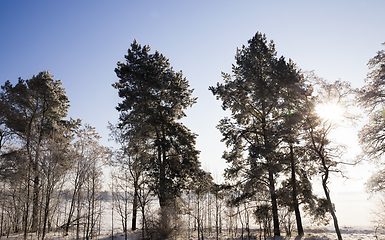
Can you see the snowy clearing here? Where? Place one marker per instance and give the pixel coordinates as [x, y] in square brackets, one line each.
[311, 233]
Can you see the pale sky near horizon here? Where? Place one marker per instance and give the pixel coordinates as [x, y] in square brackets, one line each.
[80, 43]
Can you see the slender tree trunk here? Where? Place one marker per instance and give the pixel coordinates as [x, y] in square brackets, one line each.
[135, 205]
[26, 211]
[112, 220]
[125, 227]
[216, 216]
[46, 212]
[294, 193]
[87, 227]
[93, 207]
[198, 217]
[220, 219]
[273, 196]
[247, 220]
[325, 178]
[71, 212]
[189, 215]
[240, 219]
[144, 228]
[100, 215]
[78, 216]
[2, 221]
[2, 208]
[47, 198]
[330, 204]
[41, 203]
[209, 213]
[36, 184]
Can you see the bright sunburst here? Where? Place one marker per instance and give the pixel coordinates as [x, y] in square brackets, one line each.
[330, 111]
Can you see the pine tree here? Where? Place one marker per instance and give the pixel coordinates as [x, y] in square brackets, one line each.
[261, 93]
[154, 100]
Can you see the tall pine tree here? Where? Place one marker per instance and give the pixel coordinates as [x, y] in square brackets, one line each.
[260, 94]
[154, 100]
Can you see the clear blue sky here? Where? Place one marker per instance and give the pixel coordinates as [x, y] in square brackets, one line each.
[80, 43]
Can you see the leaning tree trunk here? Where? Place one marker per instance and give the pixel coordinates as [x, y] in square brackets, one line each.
[327, 194]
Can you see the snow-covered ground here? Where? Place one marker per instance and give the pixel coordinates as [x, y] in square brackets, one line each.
[353, 212]
[364, 233]
[355, 208]
[314, 233]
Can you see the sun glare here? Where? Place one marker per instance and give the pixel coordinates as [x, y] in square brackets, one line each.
[330, 111]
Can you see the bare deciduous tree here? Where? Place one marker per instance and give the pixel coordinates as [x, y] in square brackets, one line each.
[318, 128]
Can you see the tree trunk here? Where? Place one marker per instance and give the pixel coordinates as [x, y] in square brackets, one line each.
[100, 216]
[240, 219]
[26, 211]
[294, 193]
[164, 201]
[46, 213]
[71, 212]
[144, 224]
[78, 216]
[112, 220]
[2, 219]
[125, 218]
[274, 203]
[135, 205]
[330, 204]
[198, 217]
[87, 226]
[93, 206]
[325, 177]
[35, 202]
[216, 216]
[36, 182]
[209, 213]
[164, 198]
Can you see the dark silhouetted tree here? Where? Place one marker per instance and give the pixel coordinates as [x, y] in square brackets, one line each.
[261, 93]
[154, 99]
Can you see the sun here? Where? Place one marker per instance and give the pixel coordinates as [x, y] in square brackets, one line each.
[330, 111]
